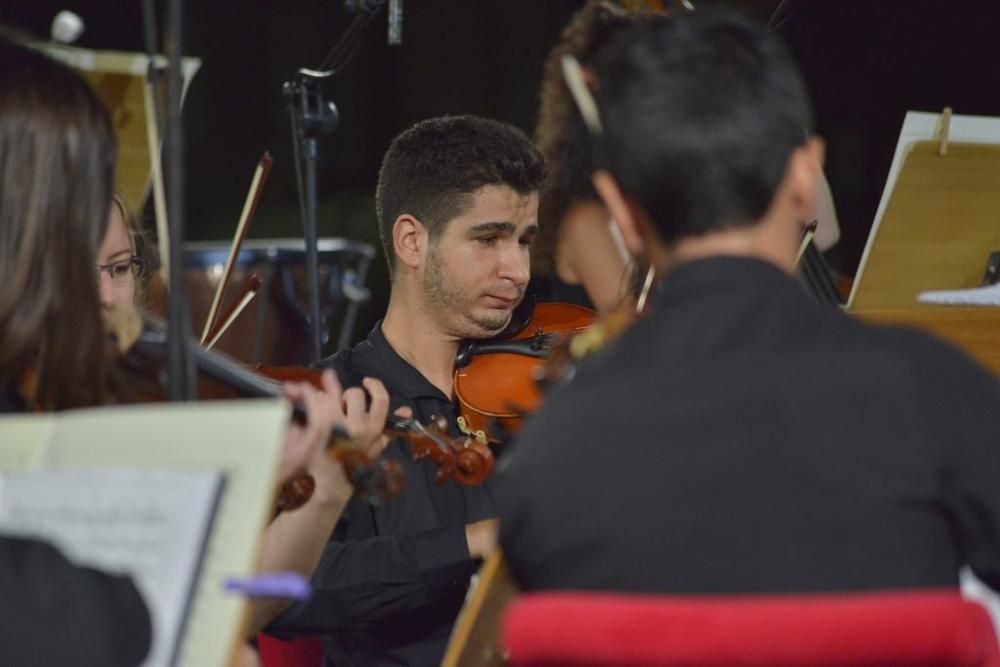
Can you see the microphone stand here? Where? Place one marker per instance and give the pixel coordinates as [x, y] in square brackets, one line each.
[180, 364]
[312, 116]
[181, 382]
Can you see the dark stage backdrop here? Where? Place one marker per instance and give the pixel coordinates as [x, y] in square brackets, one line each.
[864, 62]
[457, 56]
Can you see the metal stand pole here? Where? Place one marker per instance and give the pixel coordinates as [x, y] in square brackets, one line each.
[181, 378]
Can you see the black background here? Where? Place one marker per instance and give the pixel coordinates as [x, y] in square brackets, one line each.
[866, 63]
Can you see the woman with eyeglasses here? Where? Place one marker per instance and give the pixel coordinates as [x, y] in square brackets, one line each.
[57, 157]
[120, 268]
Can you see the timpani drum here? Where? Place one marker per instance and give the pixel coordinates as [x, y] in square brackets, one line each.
[274, 328]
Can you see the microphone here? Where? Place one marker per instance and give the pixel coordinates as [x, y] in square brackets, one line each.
[395, 22]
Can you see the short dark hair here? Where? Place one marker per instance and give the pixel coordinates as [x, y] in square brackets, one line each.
[700, 113]
[432, 169]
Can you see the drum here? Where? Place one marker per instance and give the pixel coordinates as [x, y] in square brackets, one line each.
[274, 328]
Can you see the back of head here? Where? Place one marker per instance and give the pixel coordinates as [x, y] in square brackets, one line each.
[700, 113]
[57, 155]
[432, 170]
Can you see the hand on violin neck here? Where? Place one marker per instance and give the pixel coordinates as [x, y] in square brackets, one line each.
[379, 444]
[352, 419]
[304, 451]
[365, 416]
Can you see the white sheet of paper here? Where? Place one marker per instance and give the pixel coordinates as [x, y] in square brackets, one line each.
[976, 296]
[149, 524]
[240, 438]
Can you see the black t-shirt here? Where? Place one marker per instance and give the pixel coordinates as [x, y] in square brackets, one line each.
[393, 578]
[743, 439]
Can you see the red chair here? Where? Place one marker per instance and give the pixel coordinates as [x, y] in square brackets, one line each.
[306, 652]
[896, 629]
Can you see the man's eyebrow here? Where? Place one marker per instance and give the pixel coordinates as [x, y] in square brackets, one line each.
[493, 227]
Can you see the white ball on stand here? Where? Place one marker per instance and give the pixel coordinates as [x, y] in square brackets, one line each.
[66, 27]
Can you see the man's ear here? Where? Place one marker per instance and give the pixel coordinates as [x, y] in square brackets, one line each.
[614, 199]
[804, 170]
[409, 241]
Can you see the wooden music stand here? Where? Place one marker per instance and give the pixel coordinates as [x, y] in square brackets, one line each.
[940, 224]
[475, 640]
[119, 79]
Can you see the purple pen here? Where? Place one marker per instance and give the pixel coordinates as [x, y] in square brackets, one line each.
[291, 585]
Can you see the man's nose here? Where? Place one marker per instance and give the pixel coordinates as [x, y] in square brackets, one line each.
[515, 265]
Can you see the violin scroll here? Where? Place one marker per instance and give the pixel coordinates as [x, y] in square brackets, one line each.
[463, 459]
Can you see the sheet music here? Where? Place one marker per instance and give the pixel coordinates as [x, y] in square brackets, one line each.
[976, 296]
[150, 524]
[240, 438]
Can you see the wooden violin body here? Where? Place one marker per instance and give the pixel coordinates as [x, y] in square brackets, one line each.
[496, 381]
[219, 376]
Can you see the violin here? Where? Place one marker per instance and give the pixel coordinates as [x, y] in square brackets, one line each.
[499, 381]
[220, 377]
[462, 459]
[496, 380]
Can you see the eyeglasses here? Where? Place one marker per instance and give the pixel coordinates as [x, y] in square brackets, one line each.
[124, 271]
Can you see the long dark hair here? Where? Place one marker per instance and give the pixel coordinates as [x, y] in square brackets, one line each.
[560, 133]
[57, 156]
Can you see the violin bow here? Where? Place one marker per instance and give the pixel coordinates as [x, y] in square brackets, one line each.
[156, 174]
[260, 175]
[253, 286]
[807, 236]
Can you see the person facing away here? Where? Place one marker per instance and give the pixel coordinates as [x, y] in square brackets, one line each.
[57, 152]
[457, 210]
[742, 438]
